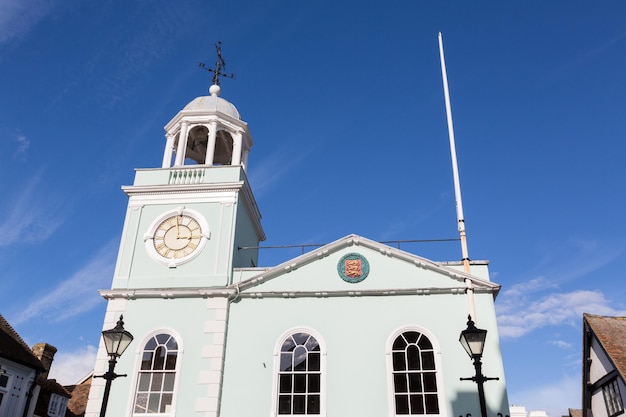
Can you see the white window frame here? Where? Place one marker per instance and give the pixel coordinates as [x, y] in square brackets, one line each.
[612, 398]
[277, 350]
[438, 370]
[57, 405]
[4, 390]
[137, 370]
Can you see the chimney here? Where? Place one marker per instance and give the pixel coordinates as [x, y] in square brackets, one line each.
[45, 353]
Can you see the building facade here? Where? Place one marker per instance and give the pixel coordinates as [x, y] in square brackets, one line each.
[604, 365]
[352, 328]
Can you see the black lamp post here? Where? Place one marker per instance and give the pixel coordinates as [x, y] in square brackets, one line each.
[473, 341]
[116, 340]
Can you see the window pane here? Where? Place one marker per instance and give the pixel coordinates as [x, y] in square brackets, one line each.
[417, 404]
[141, 403]
[162, 338]
[284, 383]
[312, 344]
[314, 361]
[284, 404]
[430, 382]
[157, 382]
[166, 403]
[285, 361]
[313, 404]
[153, 403]
[144, 382]
[399, 383]
[170, 361]
[432, 406]
[299, 383]
[300, 338]
[428, 360]
[299, 358]
[399, 364]
[159, 358]
[288, 345]
[146, 361]
[402, 404]
[299, 404]
[171, 344]
[4, 380]
[425, 343]
[314, 383]
[413, 357]
[415, 382]
[151, 345]
[411, 337]
[399, 343]
[168, 382]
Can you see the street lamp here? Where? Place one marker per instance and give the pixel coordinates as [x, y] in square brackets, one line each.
[473, 341]
[116, 340]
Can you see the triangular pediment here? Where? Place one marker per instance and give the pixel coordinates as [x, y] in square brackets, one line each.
[355, 265]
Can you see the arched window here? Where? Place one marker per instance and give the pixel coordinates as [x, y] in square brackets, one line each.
[300, 375]
[414, 374]
[155, 385]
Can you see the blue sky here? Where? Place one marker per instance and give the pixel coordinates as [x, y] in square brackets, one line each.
[345, 104]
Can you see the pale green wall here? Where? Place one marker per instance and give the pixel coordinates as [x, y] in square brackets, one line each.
[356, 331]
[187, 317]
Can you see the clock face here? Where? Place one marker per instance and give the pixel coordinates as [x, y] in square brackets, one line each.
[177, 236]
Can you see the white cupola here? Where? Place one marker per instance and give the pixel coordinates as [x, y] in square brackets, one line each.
[209, 132]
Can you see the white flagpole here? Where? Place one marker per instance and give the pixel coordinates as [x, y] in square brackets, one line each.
[457, 184]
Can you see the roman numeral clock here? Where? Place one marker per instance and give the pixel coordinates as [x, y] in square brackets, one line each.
[177, 236]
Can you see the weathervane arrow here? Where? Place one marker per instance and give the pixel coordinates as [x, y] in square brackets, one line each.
[220, 66]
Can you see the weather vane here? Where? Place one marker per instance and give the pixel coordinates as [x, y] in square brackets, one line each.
[220, 66]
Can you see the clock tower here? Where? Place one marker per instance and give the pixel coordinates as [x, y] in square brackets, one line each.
[185, 224]
[186, 220]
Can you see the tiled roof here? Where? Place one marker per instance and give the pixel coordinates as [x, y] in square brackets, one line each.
[611, 333]
[574, 412]
[13, 348]
[78, 403]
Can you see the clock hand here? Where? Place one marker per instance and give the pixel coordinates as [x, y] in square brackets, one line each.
[178, 227]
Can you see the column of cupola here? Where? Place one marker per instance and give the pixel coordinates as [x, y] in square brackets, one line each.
[239, 154]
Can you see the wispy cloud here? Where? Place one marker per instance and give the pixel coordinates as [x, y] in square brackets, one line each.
[519, 315]
[575, 258]
[69, 367]
[528, 287]
[31, 216]
[76, 294]
[22, 147]
[18, 17]
[540, 302]
[554, 397]
[275, 166]
[560, 343]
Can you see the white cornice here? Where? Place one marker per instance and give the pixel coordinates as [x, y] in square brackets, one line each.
[233, 292]
[134, 190]
[145, 193]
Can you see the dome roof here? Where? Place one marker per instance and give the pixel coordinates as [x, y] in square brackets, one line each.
[212, 103]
